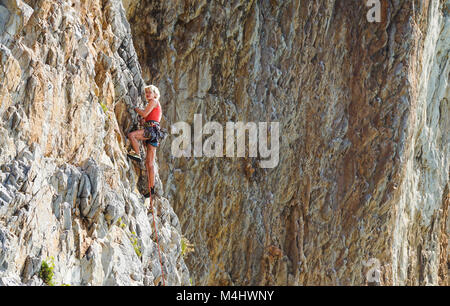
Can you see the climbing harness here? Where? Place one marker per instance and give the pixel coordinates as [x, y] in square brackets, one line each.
[154, 133]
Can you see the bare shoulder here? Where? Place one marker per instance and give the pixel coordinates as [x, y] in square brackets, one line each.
[150, 105]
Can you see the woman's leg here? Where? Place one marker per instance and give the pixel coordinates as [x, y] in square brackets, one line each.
[134, 137]
[149, 161]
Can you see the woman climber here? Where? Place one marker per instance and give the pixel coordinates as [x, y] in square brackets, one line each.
[151, 134]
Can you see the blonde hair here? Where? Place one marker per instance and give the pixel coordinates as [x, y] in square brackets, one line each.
[153, 89]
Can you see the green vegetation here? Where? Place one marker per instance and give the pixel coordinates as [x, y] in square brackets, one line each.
[133, 238]
[136, 246]
[121, 224]
[46, 272]
[104, 107]
[186, 247]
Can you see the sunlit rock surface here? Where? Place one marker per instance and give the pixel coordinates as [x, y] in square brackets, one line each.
[362, 182]
[360, 194]
[69, 79]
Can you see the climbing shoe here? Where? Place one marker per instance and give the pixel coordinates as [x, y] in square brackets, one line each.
[135, 157]
[152, 192]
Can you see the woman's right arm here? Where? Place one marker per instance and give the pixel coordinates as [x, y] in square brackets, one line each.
[150, 106]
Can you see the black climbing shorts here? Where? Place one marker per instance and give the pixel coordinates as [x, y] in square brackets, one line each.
[153, 132]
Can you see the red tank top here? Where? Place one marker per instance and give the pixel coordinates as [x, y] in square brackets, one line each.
[155, 114]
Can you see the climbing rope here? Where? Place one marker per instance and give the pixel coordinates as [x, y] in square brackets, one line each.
[157, 242]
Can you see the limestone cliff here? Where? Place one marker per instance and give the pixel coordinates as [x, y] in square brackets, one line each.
[69, 79]
[360, 194]
[363, 176]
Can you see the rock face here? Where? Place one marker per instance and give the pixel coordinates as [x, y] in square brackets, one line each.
[360, 194]
[361, 191]
[69, 79]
